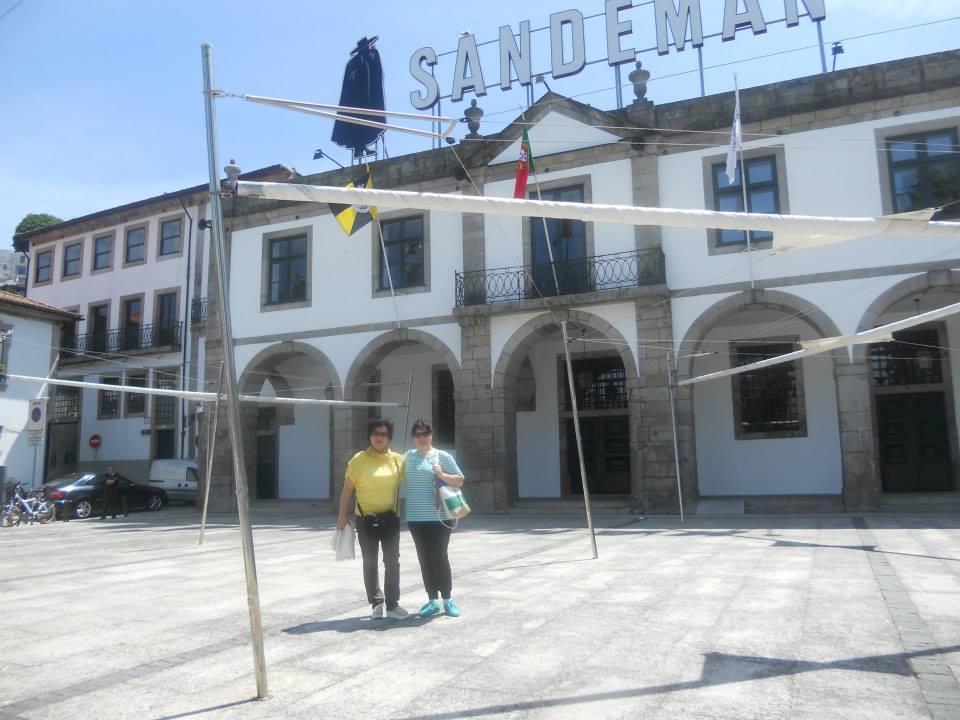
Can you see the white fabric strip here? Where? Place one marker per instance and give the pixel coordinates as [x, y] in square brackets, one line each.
[198, 396]
[817, 229]
[878, 334]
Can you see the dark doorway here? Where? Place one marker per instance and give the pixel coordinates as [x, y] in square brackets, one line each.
[914, 453]
[606, 455]
[266, 467]
[166, 446]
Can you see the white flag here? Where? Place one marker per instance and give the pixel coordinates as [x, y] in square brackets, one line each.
[736, 137]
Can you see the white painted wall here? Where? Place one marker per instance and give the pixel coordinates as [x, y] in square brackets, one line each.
[727, 466]
[29, 354]
[304, 453]
[831, 172]
[538, 432]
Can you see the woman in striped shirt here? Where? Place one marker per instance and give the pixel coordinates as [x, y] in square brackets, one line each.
[426, 469]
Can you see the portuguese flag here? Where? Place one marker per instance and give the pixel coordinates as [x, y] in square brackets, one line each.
[524, 167]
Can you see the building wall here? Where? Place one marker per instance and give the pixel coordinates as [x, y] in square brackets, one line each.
[538, 432]
[29, 354]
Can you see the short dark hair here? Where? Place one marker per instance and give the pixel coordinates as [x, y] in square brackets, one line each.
[380, 422]
[421, 425]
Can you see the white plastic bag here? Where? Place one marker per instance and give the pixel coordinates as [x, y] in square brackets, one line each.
[343, 543]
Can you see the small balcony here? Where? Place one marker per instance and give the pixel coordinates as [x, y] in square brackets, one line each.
[634, 268]
[198, 311]
[123, 340]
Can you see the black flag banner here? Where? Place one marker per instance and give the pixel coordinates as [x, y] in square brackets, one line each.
[362, 88]
[354, 217]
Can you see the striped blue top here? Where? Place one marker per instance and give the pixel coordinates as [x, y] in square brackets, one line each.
[419, 481]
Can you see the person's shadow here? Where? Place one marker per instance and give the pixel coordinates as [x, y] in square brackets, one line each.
[357, 624]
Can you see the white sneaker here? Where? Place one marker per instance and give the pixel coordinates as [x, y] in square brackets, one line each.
[379, 612]
[398, 613]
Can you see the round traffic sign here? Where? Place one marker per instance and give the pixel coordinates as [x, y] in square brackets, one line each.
[95, 441]
[36, 413]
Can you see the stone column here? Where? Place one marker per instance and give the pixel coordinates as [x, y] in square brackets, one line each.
[861, 476]
[655, 485]
[481, 441]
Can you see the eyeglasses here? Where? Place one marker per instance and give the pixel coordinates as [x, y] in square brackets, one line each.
[379, 434]
[422, 433]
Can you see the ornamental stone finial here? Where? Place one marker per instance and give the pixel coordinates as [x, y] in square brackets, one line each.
[639, 78]
[473, 115]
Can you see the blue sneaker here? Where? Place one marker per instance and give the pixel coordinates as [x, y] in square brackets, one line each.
[431, 608]
[450, 608]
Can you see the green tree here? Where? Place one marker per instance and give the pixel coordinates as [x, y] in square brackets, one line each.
[35, 221]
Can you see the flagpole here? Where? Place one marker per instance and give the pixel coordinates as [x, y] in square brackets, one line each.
[386, 264]
[743, 179]
[546, 232]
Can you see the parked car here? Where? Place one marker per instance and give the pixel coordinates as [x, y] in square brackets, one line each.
[177, 477]
[83, 492]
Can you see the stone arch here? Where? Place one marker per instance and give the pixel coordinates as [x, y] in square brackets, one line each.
[778, 300]
[507, 369]
[916, 285]
[513, 351]
[274, 355]
[381, 346]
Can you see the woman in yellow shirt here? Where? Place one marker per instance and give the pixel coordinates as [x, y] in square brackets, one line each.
[374, 474]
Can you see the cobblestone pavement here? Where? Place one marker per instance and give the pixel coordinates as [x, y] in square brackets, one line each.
[828, 616]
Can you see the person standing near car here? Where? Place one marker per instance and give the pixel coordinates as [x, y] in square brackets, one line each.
[374, 475]
[111, 493]
[425, 470]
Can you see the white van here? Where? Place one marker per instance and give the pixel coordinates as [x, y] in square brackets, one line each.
[178, 477]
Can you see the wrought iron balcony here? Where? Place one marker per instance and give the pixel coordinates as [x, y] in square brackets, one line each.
[600, 272]
[198, 311]
[122, 340]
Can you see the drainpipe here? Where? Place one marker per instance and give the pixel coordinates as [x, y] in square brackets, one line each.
[185, 330]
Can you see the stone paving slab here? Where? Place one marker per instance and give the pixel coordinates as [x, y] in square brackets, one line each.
[828, 616]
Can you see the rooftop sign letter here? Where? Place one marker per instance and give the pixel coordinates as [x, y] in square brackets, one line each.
[511, 54]
[574, 19]
[678, 18]
[468, 56]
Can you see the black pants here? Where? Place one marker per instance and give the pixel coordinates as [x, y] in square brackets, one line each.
[432, 540]
[110, 501]
[370, 543]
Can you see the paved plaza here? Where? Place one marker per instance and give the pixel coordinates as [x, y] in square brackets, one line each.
[829, 616]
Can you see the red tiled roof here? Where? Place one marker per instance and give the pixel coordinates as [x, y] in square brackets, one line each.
[18, 301]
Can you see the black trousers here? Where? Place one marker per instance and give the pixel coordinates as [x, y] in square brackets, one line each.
[432, 540]
[370, 543]
[110, 501]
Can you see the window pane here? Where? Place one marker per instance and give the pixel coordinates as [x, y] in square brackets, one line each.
[720, 177]
[136, 238]
[759, 171]
[901, 151]
[170, 237]
[71, 260]
[940, 143]
[102, 252]
[731, 202]
[731, 237]
[44, 261]
[763, 201]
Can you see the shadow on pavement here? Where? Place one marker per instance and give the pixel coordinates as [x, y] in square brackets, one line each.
[212, 708]
[718, 669]
[357, 624]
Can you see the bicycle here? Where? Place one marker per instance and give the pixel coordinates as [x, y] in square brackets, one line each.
[27, 508]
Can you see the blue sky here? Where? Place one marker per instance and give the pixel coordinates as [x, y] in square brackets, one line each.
[103, 105]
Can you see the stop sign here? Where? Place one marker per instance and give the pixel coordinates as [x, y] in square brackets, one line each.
[95, 441]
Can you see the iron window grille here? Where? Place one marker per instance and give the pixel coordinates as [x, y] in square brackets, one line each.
[136, 241]
[170, 233]
[109, 401]
[66, 404]
[763, 196]
[164, 406]
[44, 266]
[288, 270]
[136, 403]
[768, 402]
[102, 252]
[601, 384]
[924, 170]
[913, 358]
[403, 241]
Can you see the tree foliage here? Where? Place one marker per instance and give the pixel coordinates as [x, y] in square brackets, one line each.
[35, 221]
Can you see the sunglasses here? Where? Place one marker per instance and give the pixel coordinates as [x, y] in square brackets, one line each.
[379, 434]
[422, 433]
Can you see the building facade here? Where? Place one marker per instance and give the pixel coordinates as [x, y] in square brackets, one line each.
[473, 331]
[136, 278]
[30, 331]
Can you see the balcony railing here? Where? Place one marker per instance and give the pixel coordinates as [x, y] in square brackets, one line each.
[600, 272]
[137, 337]
[198, 311]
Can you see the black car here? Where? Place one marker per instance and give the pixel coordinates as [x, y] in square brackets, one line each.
[84, 493]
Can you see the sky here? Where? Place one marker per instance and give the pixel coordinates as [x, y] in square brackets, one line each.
[102, 99]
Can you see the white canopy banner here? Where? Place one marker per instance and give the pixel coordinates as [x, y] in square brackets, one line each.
[795, 229]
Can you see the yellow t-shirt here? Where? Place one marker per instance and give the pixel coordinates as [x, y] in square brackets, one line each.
[376, 477]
